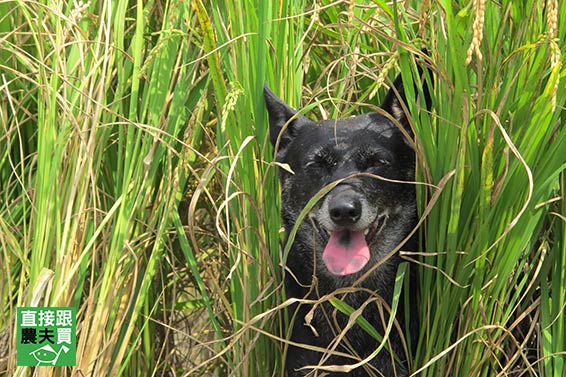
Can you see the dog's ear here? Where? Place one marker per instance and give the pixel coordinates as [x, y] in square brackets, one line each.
[396, 97]
[279, 115]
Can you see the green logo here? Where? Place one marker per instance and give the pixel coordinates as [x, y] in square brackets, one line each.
[46, 336]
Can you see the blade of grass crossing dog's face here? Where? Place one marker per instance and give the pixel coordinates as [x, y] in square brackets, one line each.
[301, 217]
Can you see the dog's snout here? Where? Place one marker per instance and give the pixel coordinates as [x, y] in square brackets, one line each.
[345, 210]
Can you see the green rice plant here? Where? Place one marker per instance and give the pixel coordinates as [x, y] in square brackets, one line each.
[95, 163]
[498, 126]
[247, 42]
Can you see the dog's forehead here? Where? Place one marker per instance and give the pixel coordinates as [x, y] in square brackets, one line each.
[345, 135]
[362, 126]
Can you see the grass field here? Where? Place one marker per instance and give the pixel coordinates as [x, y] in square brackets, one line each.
[137, 182]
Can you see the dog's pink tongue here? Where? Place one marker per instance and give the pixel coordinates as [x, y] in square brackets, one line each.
[346, 252]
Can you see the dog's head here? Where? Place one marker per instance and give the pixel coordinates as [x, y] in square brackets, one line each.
[372, 209]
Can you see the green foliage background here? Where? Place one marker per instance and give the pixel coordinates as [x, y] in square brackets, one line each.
[137, 183]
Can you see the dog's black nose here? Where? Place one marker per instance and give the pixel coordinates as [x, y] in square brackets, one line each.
[344, 210]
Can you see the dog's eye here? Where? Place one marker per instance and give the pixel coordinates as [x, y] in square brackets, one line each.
[322, 160]
[372, 159]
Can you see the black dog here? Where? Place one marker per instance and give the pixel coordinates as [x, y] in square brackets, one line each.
[352, 228]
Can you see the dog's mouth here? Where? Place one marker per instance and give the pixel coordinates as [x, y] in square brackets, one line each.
[347, 251]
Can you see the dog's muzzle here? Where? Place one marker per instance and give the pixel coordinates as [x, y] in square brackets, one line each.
[349, 225]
